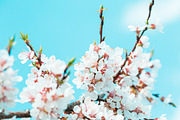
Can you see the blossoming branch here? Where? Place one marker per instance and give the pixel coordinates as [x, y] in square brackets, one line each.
[117, 84]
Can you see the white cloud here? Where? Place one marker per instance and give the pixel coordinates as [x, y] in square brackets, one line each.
[167, 10]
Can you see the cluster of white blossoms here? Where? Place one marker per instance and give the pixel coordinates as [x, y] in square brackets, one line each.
[91, 110]
[116, 88]
[126, 83]
[8, 78]
[47, 88]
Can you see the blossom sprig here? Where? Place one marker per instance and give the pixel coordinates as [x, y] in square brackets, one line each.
[127, 83]
[117, 88]
[99, 65]
[31, 55]
[47, 86]
[89, 110]
[71, 106]
[140, 32]
[96, 73]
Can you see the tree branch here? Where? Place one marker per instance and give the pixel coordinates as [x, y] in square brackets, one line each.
[26, 114]
[150, 9]
[138, 39]
[102, 23]
[19, 114]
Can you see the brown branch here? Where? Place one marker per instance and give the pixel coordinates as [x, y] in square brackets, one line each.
[138, 39]
[102, 23]
[70, 107]
[25, 39]
[119, 72]
[38, 57]
[150, 9]
[19, 114]
[26, 114]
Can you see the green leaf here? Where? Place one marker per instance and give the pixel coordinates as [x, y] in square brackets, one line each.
[11, 41]
[34, 64]
[40, 50]
[71, 62]
[23, 36]
[125, 51]
[101, 7]
[152, 52]
[61, 82]
[94, 42]
[147, 22]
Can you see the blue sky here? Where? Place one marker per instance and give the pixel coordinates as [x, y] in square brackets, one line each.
[67, 28]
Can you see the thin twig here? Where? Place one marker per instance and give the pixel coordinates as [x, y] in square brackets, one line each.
[150, 9]
[138, 39]
[38, 57]
[102, 23]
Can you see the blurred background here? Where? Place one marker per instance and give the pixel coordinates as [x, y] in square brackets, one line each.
[66, 28]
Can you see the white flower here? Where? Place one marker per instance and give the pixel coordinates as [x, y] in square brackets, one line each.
[136, 29]
[8, 79]
[5, 60]
[25, 56]
[168, 99]
[46, 90]
[144, 40]
[127, 92]
[76, 109]
[157, 25]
